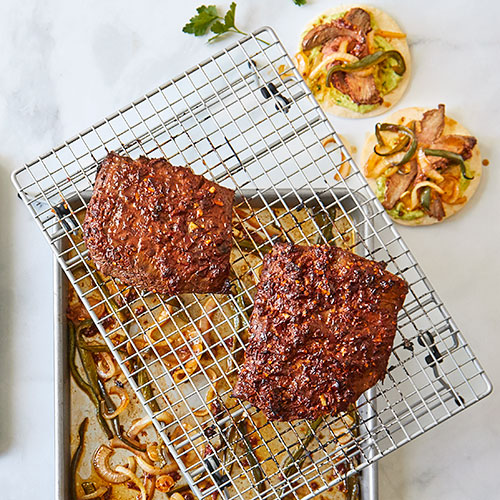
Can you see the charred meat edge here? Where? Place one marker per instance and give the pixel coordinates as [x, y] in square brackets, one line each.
[431, 126]
[361, 89]
[397, 184]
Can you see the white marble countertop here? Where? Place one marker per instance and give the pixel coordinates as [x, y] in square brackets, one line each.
[64, 64]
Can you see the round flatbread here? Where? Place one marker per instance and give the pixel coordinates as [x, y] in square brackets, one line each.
[383, 22]
[404, 117]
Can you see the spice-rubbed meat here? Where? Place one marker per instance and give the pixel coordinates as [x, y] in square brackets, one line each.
[431, 125]
[321, 331]
[361, 89]
[360, 19]
[355, 24]
[159, 227]
[397, 184]
[459, 144]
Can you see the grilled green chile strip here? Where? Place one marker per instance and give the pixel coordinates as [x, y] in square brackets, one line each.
[227, 435]
[299, 455]
[378, 135]
[325, 223]
[255, 468]
[82, 384]
[396, 149]
[239, 320]
[410, 136]
[178, 489]
[146, 389]
[92, 347]
[93, 380]
[239, 298]
[366, 62]
[231, 435]
[82, 344]
[294, 462]
[75, 459]
[110, 406]
[442, 153]
[250, 245]
[409, 154]
[89, 369]
[425, 198]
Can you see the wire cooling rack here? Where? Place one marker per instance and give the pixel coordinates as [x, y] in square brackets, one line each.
[245, 118]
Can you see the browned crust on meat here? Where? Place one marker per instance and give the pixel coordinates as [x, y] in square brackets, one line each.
[431, 126]
[360, 19]
[436, 209]
[321, 331]
[323, 33]
[397, 184]
[361, 89]
[159, 227]
[459, 144]
[342, 27]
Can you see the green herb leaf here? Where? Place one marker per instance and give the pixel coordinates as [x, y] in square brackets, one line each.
[198, 25]
[229, 17]
[219, 27]
[299, 2]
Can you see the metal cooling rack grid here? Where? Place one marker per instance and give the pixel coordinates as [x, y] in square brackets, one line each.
[246, 119]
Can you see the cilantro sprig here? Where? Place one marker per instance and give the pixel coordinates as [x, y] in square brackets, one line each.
[198, 25]
[219, 27]
[207, 18]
